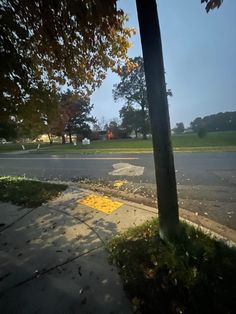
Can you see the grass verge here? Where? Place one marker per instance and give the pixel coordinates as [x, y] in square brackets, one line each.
[214, 141]
[4, 148]
[26, 192]
[194, 274]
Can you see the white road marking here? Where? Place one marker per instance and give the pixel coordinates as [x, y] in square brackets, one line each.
[125, 169]
[71, 158]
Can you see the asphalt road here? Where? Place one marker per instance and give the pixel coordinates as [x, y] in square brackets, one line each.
[206, 181]
[191, 168]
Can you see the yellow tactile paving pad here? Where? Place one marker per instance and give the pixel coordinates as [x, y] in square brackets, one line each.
[102, 203]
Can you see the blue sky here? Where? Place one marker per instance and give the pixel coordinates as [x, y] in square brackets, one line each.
[200, 59]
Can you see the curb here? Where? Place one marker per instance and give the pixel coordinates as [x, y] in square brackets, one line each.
[206, 225]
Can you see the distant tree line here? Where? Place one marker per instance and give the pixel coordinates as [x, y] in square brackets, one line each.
[222, 121]
[62, 114]
[179, 128]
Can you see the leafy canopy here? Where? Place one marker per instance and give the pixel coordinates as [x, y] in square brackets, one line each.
[132, 87]
[212, 4]
[131, 119]
[72, 115]
[58, 42]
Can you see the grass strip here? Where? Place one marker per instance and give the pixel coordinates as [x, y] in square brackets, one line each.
[27, 192]
[193, 274]
[214, 141]
[4, 148]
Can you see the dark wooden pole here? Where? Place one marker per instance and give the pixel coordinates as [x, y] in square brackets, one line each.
[159, 116]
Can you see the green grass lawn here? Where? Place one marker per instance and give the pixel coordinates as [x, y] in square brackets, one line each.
[216, 141]
[193, 274]
[102, 146]
[26, 192]
[213, 139]
[17, 146]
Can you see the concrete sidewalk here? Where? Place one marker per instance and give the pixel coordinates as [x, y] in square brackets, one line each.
[53, 258]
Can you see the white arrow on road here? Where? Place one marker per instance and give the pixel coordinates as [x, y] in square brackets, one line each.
[125, 169]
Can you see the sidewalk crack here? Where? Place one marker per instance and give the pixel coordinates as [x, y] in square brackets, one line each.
[46, 271]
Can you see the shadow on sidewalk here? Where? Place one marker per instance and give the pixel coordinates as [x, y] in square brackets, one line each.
[52, 262]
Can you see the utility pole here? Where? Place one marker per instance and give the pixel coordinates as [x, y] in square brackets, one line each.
[159, 117]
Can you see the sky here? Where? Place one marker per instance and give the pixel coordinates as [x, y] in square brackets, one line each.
[199, 52]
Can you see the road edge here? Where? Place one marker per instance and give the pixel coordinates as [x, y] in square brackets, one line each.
[207, 225]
